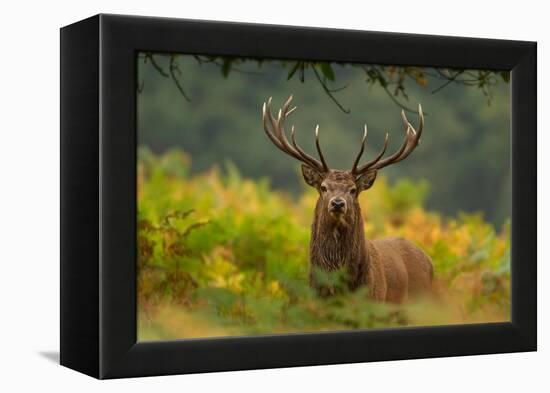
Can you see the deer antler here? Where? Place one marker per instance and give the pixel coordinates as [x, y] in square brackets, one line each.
[277, 135]
[411, 140]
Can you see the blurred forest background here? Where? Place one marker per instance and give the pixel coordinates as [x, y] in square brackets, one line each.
[223, 226]
[465, 153]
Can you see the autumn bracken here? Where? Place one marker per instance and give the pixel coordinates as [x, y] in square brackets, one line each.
[222, 255]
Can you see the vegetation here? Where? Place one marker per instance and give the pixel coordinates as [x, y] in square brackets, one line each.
[393, 80]
[220, 254]
[464, 155]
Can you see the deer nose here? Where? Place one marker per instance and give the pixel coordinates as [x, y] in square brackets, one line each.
[337, 203]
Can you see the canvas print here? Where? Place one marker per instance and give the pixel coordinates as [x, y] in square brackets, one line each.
[281, 196]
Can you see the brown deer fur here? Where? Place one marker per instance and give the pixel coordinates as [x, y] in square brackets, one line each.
[392, 269]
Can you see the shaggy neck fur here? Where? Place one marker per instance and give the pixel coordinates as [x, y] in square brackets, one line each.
[339, 244]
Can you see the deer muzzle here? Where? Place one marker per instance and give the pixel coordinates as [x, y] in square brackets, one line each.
[337, 206]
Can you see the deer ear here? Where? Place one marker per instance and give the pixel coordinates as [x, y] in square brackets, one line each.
[365, 181]
[311, 176]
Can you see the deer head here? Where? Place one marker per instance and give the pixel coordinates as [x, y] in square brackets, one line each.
[338, 189]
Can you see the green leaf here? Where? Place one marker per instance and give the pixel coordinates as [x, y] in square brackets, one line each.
[226, 67]
[293, 70]
[505, 75]
[327, 71]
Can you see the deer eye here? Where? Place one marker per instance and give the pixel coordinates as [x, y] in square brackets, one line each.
[323, 189]
[353, 191]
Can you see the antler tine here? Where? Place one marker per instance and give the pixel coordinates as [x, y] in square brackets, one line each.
[302, 155]
[306, 157]
[368, 165]
[325, 166]
[274, 134]
[412, 137]
[267, 114]
[278, 130]
[284, 108]
[354, 168]
[411, 140]
[277, 135]
[291, 110]
[420, 124]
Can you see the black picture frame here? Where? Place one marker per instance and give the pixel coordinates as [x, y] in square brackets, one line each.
[98, 196]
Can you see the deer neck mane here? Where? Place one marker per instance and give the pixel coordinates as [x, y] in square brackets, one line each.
[340, 244]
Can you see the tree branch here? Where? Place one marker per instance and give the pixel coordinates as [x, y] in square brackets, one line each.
[328, 92]
[385, 76]
[157, 66]
[449, 81]
[173, 68]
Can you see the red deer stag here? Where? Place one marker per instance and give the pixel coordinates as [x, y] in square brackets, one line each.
[391, 268]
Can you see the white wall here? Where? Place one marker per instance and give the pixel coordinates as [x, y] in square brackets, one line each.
[29, 218]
